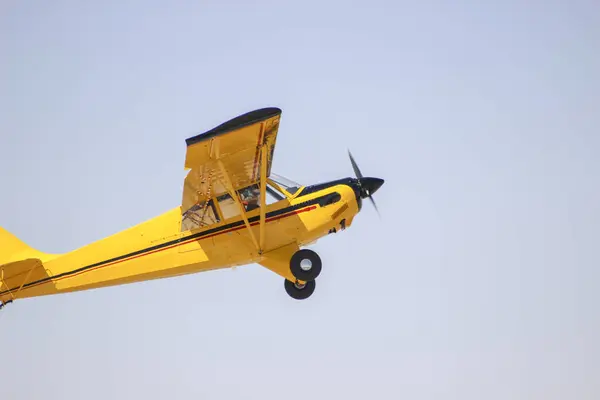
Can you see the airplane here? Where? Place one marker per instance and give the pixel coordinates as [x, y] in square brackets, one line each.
[225, 220]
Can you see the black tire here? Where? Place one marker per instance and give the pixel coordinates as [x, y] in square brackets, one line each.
[296, 265]
[299, 293]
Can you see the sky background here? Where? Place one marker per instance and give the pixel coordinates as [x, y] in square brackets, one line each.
[481, 279]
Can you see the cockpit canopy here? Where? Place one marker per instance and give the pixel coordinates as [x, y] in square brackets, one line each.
[290, 186]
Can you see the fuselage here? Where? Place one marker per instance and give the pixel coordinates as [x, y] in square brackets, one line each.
[159, 248]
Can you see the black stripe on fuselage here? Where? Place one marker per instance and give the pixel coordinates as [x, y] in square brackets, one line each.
[321, 200]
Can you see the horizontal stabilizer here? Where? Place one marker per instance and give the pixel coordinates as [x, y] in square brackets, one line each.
[20, 266]
[17, 275]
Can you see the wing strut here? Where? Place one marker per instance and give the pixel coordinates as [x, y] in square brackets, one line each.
[263, 191]
[235, 198]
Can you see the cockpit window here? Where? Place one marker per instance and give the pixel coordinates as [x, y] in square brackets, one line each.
[274, 194]
[200, 215]
[289, 185]
[228, 206]
[250, 197]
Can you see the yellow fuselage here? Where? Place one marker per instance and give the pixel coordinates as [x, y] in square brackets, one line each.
[158, 248]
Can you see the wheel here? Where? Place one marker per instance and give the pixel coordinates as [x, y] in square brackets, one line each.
[305, 265]
[299, 292]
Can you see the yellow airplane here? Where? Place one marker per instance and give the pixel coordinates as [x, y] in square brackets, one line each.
[225, 220]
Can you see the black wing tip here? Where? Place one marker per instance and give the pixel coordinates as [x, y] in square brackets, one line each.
[238, 122]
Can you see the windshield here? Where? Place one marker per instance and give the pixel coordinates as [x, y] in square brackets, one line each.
[289, 185]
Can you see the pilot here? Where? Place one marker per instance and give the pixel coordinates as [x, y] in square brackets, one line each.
[250, 197]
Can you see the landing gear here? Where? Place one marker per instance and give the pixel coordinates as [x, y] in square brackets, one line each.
[298, 291]
[306, 266]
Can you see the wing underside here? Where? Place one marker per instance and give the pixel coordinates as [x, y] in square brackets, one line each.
[229, 154]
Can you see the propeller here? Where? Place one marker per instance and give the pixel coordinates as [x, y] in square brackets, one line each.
[368, 185]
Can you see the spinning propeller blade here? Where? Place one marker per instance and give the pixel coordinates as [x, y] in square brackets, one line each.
[355, 166]
[374, 205]
[367, 186]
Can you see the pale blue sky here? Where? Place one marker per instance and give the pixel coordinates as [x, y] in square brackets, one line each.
[479, 282]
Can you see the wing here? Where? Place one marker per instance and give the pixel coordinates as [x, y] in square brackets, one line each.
[235, 145]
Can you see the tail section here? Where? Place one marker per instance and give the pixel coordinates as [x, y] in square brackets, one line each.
[21, 267]
[13, 249]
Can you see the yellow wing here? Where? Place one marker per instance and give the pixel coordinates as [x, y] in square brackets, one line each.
[235, 145]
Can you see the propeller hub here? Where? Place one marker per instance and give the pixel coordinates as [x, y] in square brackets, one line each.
[368, 186]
